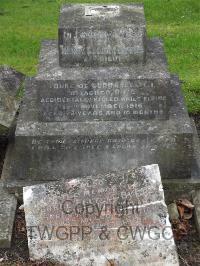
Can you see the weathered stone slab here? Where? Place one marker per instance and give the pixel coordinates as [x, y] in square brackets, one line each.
[8, 205]
[98, 220]
[93, 147]
[64, 150]
[115, 93]
[155, 66]
[10, 83]
[62, 147]
[101, 35]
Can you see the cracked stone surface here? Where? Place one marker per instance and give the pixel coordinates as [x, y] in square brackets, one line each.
[118, 218]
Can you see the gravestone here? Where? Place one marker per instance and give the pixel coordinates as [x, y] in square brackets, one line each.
[113, 219]
[101, 35]
[89, 117]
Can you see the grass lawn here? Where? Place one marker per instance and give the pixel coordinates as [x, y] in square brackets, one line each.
[24, 23]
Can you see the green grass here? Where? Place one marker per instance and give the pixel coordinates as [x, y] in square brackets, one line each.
[24, 23]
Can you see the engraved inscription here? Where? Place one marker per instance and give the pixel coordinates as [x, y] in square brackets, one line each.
[87, 143]
[101, 100]
[104, 45]
[102, 35]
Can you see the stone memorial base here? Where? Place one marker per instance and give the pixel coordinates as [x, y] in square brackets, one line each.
[73, 155]
[68, 150]
[46, 149]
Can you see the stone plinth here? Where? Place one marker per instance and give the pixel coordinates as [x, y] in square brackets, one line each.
[48, 149]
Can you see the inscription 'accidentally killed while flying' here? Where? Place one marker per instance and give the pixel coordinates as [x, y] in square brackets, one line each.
[100, 101]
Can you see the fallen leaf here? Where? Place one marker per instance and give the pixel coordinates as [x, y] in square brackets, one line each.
[181, 210]
[185, 203]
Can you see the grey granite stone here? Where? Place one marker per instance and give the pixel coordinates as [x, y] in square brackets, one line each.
[101, 35]
[115, 93]
[51, 143]
[90, 220]
[154, 68]
[52, 151]
[70, 149]
[8, 205]
[10, 83]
